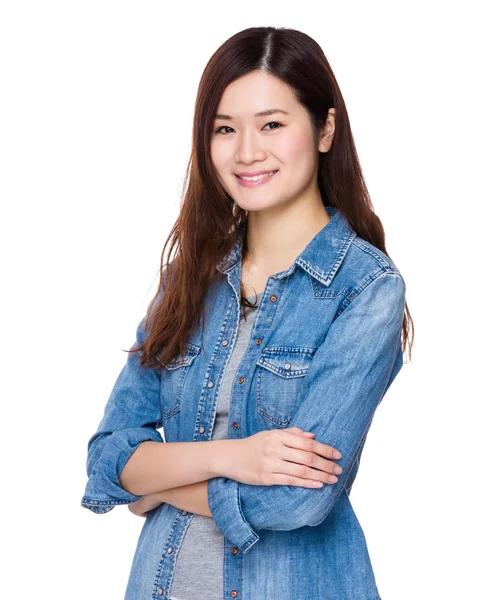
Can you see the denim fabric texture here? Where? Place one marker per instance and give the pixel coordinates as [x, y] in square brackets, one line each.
[324, 349]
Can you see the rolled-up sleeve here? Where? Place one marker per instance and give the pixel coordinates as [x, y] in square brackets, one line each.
[131, 416]
[349, 375]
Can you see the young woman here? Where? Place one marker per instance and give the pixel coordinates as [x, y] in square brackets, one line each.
[277, 328]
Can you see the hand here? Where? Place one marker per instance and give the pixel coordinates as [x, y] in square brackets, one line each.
[142, 507]
[282, 457]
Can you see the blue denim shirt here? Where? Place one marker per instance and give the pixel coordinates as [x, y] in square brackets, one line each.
[325, 347]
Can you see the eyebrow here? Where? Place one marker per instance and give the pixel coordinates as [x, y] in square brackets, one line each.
[262, 113]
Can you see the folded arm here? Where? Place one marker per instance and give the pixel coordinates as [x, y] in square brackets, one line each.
[131, 416]
[127, 456]
[348, 377]
[192, 498]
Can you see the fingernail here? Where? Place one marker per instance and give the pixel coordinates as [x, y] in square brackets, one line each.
[337, 454]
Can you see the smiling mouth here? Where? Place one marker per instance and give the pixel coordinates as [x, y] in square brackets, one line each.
[257, 177]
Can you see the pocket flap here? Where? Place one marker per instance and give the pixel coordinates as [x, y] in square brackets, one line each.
[287, 361]
[191, 353]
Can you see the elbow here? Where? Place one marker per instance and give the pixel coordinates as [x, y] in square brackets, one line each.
[299, 508]
[312, 509]
[318, 512]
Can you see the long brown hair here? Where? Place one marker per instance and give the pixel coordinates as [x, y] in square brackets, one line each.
[210, 222]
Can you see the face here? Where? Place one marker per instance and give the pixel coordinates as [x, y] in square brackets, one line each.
[283, 142]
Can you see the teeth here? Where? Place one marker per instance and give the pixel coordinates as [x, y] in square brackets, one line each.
[257, 177]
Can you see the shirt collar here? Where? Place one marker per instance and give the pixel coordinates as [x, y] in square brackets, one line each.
[321, 258]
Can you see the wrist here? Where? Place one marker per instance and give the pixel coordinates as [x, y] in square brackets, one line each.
[221, 458]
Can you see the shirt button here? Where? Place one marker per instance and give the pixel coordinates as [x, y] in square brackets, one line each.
[184, 512]
[287, 366]
[273, 298]
[241, 380]
[210, 384]
[235, 425]
[170, 550]
[234, 594]
[160, 591]
[259, 342]
[234, 550]
[201, 429]
[225, 343]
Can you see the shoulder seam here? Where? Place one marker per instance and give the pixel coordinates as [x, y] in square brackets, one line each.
[364, 285]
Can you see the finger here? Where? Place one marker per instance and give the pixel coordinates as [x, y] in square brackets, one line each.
[312, 460]
[282, 479]
[326, 450]
[311, 445]
[305, 472]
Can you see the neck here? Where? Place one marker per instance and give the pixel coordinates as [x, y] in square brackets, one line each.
[276, 238]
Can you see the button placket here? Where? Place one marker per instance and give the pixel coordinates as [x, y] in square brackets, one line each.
[241, 384]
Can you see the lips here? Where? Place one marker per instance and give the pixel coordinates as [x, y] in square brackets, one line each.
[256, 182]
[251, 176]
[254, 173]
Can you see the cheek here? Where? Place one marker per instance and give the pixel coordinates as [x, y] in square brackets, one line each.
[299, 160]
[295, 147]
[219, 156]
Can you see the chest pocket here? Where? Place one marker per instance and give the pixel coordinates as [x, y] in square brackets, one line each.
[281, 371]
[173, 379]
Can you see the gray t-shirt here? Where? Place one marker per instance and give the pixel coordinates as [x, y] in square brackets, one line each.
[199, 567]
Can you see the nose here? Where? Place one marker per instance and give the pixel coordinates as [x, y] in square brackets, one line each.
[249, 148]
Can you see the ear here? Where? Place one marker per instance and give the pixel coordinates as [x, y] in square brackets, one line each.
[327, 134]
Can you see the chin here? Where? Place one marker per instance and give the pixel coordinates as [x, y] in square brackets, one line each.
[262, 206]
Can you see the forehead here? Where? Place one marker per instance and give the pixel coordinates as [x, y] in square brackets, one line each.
[256, 92]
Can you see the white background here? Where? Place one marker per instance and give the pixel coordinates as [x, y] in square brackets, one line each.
[96, 110]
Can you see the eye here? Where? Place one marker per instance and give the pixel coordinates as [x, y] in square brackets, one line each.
[274, 123]
[222, 127]
[270, 123]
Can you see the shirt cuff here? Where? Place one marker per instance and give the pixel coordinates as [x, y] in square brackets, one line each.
[103, 490]
[224, 502]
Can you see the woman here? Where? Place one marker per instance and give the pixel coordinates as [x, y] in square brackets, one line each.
[275, 332]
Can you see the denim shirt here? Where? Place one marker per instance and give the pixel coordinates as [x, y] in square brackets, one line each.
[324, 349]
